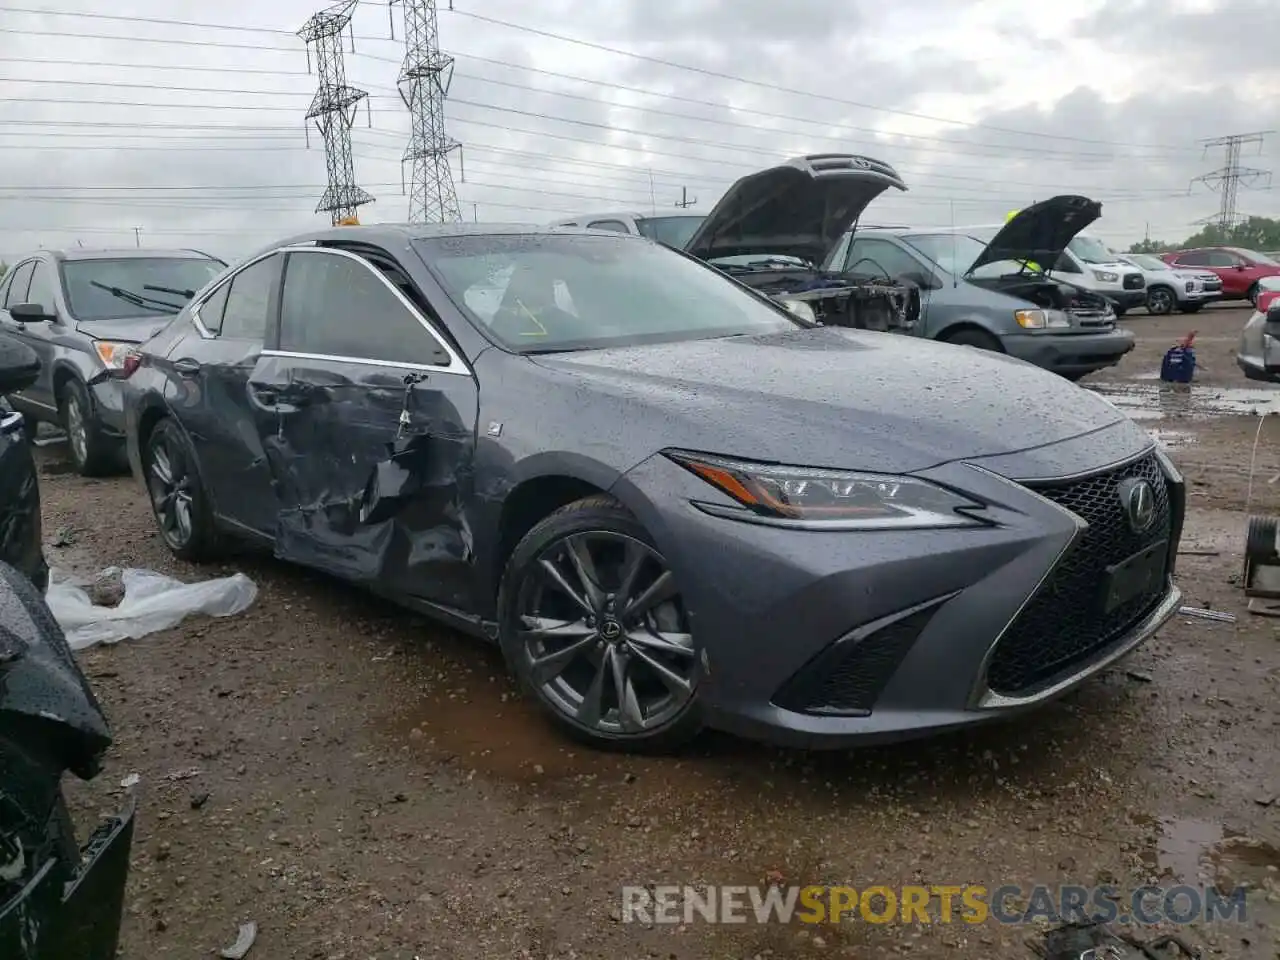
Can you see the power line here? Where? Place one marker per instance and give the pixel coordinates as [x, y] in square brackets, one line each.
[1227, 179]
[616, 52]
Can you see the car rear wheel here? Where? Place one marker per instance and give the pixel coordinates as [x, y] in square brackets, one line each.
[1160, 301]
[593, 624]
[974, 338]
[177, 494]
[92, 453]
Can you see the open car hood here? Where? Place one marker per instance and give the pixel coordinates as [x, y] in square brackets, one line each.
[800, 209]
[1041, 232]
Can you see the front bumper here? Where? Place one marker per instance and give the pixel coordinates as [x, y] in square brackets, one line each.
[1070, 353]
[107, 396]
[53, 918]
[821, 639]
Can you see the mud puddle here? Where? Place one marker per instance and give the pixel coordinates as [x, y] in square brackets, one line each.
[1160, 401]
[1201, 851]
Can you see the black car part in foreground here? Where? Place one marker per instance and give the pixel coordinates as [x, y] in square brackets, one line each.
[58, 901]
[19, 489]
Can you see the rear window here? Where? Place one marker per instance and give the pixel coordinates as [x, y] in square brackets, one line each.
[112, 289]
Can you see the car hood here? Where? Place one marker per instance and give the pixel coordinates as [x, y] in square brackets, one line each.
[833, 397]
[126, 329]
[1041, 232]
[801, 208]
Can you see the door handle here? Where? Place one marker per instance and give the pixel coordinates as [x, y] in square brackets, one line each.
[186, 367]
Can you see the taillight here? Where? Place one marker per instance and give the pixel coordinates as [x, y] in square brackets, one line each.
[132, 362]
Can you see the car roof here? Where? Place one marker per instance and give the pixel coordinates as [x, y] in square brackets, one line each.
[124, 253]
[392, 236]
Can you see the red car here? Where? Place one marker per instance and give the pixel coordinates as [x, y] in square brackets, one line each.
[1240, 270]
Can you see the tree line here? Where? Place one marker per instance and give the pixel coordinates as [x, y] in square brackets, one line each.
[1255, 233]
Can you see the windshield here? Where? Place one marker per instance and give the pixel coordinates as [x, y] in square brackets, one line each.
[674, 231]
[546, 293]
[1091, 250]
[953, 252]
[133, 286]
[1147, 262]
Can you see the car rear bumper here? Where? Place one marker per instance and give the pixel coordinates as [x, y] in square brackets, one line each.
[825, 639]
[79, 919]
[1071, 353]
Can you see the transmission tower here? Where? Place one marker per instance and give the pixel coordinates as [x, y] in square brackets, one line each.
[334, 109]
[424, 82]
[1227, 179]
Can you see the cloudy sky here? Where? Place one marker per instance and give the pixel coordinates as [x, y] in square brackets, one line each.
[185, 120]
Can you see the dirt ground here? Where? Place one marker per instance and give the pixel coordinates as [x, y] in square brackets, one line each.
[363, 784]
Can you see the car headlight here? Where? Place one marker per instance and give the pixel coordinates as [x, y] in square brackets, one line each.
[112, 354]
[1041, 319]
[1191, 285]
[1106, 276]
[801, 310]
[817, 499]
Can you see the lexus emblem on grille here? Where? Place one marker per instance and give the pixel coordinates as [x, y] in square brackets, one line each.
[1139, 501]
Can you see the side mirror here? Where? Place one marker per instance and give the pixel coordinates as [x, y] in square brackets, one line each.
[19, 366]
[1240, 266]
[30, 313]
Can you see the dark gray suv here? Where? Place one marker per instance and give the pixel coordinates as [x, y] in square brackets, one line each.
[81, 312]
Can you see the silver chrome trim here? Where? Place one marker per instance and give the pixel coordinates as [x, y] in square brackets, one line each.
[980, 692]
[393, 364]
[1148, 626]
[456, 364]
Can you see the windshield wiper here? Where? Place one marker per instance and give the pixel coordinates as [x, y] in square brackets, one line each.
[177, 293]
[128, 296]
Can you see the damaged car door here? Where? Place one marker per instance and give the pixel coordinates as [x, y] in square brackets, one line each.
[368, 417]
[207, 382]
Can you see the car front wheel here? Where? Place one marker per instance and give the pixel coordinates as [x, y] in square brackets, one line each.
[594, 626]
[177, 494]
[92, 453]
[1160, 301]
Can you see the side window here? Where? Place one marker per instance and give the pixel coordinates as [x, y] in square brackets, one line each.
[21, 283]
[336, 306]
[1196, 258]
[617, 226]
[1220, 258]
[880, 258]
[211, 310]
[249, 301]
[42, 287]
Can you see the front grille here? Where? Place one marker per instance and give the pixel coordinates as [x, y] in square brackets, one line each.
[1063, 625]
[1133, 281]
[848, 677]
[1213, 285]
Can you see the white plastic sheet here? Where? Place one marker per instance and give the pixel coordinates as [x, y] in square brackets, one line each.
[151, 602]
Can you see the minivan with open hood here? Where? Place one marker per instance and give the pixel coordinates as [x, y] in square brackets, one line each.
[992, 294]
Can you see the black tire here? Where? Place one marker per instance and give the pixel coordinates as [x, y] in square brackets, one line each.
[970, 337]
[1260, 538]
[1252, 295]
[603, 516]
[93, 454]
[1120, 311]
[1161, 301]
[1191, 307]
[168, 454]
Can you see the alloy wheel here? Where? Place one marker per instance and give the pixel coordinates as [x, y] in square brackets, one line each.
[171, 487]
[77, 431]
[605, 634]
[1160, 302]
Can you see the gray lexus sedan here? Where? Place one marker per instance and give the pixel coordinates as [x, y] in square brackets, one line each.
[672, 502]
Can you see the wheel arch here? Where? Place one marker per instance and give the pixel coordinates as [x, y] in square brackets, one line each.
[965, 325]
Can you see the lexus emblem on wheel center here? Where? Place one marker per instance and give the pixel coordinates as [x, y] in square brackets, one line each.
[1139, 501]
